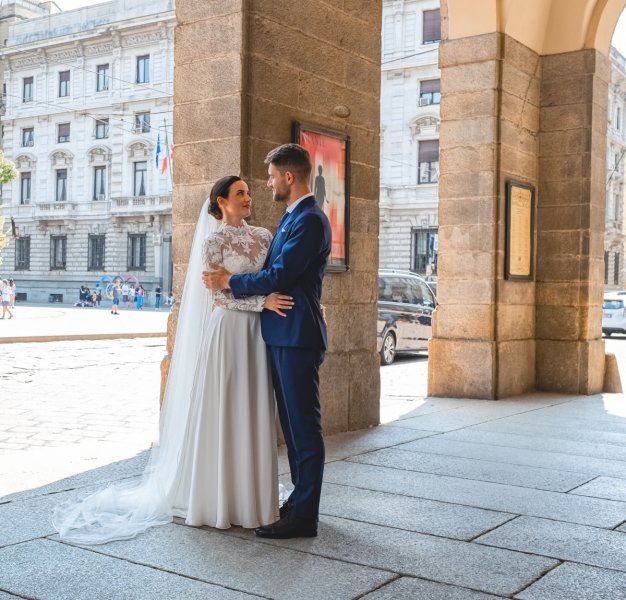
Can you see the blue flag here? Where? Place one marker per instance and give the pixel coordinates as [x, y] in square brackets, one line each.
[158, 150]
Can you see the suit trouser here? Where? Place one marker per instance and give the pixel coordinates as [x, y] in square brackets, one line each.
[295, 372]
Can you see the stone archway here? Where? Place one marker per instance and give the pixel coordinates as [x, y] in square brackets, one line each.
[524, 93]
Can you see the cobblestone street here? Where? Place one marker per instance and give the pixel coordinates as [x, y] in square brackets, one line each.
[70, 406]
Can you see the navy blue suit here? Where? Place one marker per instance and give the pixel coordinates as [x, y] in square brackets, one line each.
[295, 266]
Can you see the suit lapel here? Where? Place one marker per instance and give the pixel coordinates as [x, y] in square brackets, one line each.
[286, 219]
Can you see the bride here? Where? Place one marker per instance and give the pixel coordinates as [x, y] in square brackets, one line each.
[216, 460]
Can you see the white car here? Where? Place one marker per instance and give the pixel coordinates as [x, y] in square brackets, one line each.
[613, 314]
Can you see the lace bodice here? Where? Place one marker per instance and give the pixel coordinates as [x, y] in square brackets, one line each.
[239, 250]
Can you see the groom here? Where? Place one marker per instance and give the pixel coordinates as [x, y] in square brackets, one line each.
[294, 265]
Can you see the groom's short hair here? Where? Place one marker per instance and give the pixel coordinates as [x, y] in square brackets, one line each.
[291, 157]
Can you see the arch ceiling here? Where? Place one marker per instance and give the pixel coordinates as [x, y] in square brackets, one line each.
[545, 26]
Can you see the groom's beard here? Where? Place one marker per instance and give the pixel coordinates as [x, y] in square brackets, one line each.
[280, 196]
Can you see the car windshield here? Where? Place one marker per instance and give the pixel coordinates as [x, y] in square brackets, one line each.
[612, 304]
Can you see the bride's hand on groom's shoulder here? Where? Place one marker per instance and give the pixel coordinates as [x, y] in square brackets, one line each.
[278, 302]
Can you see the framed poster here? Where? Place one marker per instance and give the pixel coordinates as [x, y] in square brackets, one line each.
[330, 183]
[520, 231]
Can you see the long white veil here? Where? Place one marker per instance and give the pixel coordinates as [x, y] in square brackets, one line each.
[124, 510]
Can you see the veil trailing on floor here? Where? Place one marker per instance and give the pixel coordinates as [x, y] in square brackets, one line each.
[124, 510]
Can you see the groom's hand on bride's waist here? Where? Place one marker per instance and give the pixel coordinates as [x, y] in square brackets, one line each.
[217, 278]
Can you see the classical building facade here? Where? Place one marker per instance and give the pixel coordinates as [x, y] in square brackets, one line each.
[616, 157]
[409, 167]
[88, 99]
[14, 12]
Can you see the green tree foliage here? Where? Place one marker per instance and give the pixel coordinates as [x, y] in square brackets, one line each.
[8, 173]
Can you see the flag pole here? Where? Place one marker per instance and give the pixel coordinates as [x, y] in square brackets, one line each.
[169, 155]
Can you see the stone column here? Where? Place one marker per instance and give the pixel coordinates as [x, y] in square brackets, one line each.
[483, 334]
[244, 72]
[570, 266]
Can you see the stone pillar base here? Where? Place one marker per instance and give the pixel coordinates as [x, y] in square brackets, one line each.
[570, 367]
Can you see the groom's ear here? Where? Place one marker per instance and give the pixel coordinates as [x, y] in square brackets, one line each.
[290, 177]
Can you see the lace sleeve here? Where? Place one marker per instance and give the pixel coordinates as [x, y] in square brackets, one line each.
[213, 254]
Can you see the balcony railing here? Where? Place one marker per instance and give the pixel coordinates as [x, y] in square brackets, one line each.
[140, 204]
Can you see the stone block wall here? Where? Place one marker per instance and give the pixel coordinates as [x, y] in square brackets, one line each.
[570, 245]
[244, 71]
[484, 326]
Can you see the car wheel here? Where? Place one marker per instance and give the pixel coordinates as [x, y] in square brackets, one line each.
[608, 333]
[388, 350]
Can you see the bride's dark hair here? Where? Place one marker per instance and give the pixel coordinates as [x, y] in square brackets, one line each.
[220, 190]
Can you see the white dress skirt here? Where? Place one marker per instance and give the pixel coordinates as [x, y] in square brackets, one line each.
[228, 465]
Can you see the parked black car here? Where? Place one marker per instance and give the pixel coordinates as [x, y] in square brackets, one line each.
[405, 308]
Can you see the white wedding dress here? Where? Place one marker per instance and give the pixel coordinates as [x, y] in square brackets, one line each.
[216, 461]
[228, 465]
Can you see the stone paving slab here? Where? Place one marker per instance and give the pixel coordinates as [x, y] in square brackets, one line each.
[344, 445]
[479, 411]
[499, 572]
[420, 589]
[492, 496]
[555, 430]
[48, 570]
[413, 514]
[563, 541]
[246, 564]
[561, 421]
[599, 409]
[604, 487]
[29, 519]
[478, 470]
[99, 475]
[577, 582]
[582, 449]
[518, 456]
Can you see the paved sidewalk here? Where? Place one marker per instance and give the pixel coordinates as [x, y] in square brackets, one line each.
[448, 500]
[37, 323]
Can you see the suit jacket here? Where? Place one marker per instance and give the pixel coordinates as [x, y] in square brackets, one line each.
[295, 266]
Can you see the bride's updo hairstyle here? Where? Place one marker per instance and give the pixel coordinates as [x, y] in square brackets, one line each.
[220, 189]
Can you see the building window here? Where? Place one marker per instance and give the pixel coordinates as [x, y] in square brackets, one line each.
[27, 89]
[96, 253]
[102, 129]
[140, 172]
[102, 83]
[136, 251]
[432, 26]
[25, 188]
[424, 251]
[28, 136]
[58, 251]
[64, 84]
[143, 69]
[22, 253]
[616, 269]
[63, 133]
[618, 118]
[428, 161]
[99, 183]
[606, 268]
[430, 92]
[61, 191]
[142, 122]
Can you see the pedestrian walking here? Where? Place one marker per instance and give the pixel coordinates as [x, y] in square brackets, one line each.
[116, 291]
[98, 294]
[125, 292]
[139, 295]
[157, 297]
[13, 288]
[6, 299]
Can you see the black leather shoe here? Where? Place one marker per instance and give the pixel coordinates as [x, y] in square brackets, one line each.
[288, 527]
[283, 511]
